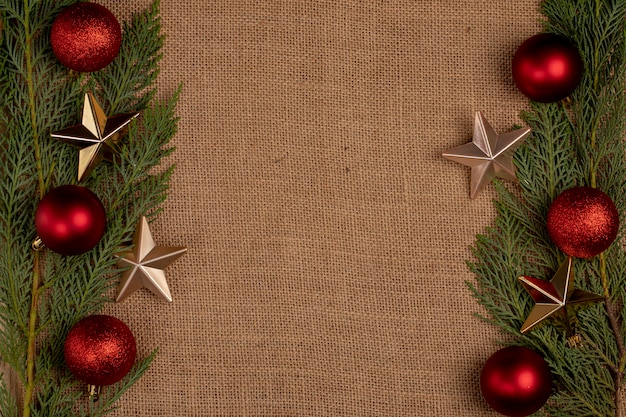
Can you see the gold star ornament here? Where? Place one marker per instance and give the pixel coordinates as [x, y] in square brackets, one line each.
[489, 154]
[97, 136]
[146, 263]
[555, 295]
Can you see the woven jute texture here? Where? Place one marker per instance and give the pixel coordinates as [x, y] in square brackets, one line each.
[327, 236]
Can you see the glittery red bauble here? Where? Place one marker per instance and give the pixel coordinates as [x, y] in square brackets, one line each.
[582, 221]
[547, 68]
[516, 381]
[86, 37]
[100, 350]
[70, 220]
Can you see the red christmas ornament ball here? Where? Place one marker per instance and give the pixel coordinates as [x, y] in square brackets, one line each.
[70, 220]
[547, 68]
[516, 381]
[100, 350]
[86, 37]
[582, 221]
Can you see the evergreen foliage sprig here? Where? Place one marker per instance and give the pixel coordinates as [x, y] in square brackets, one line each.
[578, 142]
[42, 295]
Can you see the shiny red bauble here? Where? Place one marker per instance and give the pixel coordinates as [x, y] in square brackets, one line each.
[70, 220]
[100, 350]
[582, 221]
[86, 37]
[547, 68]
[516, 381]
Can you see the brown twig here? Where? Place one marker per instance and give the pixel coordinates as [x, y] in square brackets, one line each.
[618, 372]
[618, 369]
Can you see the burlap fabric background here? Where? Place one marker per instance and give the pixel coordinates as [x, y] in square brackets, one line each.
[326, 234]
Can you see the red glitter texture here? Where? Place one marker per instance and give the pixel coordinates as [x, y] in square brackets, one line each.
[86, 37]
[70, 220]
[100, 350]
[583, 222]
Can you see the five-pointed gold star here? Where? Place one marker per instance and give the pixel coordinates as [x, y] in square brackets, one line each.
[489, 155]
[554, 295]
[97, 136]
[146, 263]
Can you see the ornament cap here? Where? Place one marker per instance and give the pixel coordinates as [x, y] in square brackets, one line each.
[575, 340]
[38, 244]
[94, 392]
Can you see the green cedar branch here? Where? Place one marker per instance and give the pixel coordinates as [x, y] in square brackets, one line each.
[580, 142]
[40, 96]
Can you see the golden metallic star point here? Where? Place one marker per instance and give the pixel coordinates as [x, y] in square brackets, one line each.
[145, 263]
[97, 135]
[554, 295]
[489, 154]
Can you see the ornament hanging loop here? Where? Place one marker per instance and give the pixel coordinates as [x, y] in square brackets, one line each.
[94, 392]
[38, 244]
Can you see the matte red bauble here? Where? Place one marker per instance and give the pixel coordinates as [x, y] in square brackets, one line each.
[582, 221]
[86, 37]
[70, 220]
[547, 68]
[100, 350]
[516, 381]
